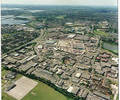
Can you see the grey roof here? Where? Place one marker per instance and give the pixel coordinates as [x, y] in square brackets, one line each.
[59, 72]
[78, 75]
[69, 73]
[10, 59]
[44, 74]
[23, 60]
[10, 75]
[30, 70]
[61, 82]
[96, 78]
[64, 76]
[10, 66]
[86, 75]
[10, 86]
[30, 58]
[22, 51]
[83, 67]
[75, 80]
[91, 96]
[103, 64]
[75, 90]
[35, 64]
[5, 62]
[27, 66]
[54, 69]
[99, 71]
[83, 93]
[50, 41]
[102, 95]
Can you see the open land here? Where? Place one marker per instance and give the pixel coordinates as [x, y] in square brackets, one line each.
[44, 92]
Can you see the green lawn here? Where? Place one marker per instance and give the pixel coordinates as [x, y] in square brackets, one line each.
[118, 97]
[3, 71]
[6, 97]
[60, 17]
[101, 33]
[18, 77]
[44, 92]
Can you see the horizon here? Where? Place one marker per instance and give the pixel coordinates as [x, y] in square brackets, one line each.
[115, 6]
[62, 2]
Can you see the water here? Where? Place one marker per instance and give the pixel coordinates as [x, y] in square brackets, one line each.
[111, 47]
[11, 21]
[35, 11]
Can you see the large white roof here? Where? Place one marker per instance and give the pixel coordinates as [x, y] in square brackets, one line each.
[70, 89]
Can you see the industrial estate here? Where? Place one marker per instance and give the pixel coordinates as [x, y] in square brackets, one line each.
[71, 56]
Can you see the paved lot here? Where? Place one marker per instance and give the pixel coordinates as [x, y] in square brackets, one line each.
[23, 86]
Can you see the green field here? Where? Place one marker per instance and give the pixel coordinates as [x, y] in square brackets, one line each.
[101, 33]
[118, 97]
[44, 92]
[6, 97]
[60, 17]
[3, 71]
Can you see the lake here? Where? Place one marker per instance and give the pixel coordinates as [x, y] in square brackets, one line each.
[11, 21]
[111, 47]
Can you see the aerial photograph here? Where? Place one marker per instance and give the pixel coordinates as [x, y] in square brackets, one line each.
[59, 50]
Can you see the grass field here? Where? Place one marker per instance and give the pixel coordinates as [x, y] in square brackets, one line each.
[6, 97]
[60, 17]
[101, 33]
[118, 97]
[44, 92]
[3, 71]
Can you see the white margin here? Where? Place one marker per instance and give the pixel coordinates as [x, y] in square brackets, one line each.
[118, 2]
[0, 53]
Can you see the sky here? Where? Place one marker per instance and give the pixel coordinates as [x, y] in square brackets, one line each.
[63, 2]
